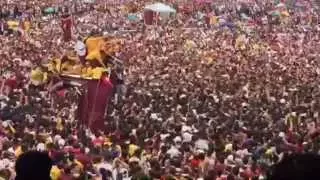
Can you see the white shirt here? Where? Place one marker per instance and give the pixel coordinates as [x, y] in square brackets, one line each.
[41, 147]
[173, 152]
[187, 137]
[104, 165]
[123, 171]
[80, 48]
[202, 144]
[186, 128]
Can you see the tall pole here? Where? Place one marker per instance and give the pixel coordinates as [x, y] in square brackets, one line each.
[82, 101]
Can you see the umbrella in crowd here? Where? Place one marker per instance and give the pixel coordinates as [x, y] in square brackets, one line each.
[160, 8]
[50, 10]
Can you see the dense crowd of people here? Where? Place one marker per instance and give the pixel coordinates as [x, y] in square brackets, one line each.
[218, 91]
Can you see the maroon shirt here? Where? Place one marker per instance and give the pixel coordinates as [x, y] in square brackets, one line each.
[83, 159]
[65, 177]
[12, 83]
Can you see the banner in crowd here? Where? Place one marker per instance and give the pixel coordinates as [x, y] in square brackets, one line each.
[148, 17]
[94, 102]
[67, 27]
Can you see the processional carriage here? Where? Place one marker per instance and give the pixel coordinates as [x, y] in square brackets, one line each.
[90, 79]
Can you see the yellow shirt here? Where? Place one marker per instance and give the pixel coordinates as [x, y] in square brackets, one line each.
[240, 42]
[285, 13]
[55, 173]
[59, 124]
[107, 142]
[189, 44]
[210, 60]
[269, 151]
[27, 25]
[228, 147]
[132, 149]
[213, 20]
[79, 164]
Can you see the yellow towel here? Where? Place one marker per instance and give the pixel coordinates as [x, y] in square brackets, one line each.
[13, 25]
[13, 131]
[18, 151]
[38, 77]
[97, 72]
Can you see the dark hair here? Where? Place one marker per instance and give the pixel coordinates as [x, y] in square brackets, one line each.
[33, 165]
[105, 173]
[5, 173]
[296, 167]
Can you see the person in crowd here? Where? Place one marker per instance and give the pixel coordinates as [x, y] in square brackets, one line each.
[296, 166]
[33, 165]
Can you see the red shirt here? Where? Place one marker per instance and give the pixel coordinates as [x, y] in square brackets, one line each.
[195, 163]
[98, 142]
[62, 93]
[75, 151]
